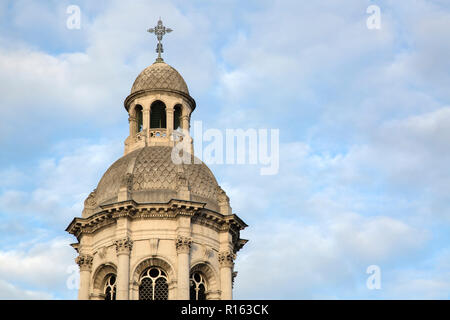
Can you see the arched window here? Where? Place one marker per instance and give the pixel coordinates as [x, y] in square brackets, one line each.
[158, 115]
[110, 287]
[139, 118]
[153, 285]
[197, 287]
[177, 117]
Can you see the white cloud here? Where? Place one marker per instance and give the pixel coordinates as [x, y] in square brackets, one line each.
[61, 184]
[291, 259]
[11, 292]
[276, 54]
[94, 82]
[372, 99]
[38, 265]
[428, 280]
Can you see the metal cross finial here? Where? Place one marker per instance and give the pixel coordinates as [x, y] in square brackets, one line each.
[159, 30]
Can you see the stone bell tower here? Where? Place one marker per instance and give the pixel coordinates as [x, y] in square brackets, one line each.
[155, 229]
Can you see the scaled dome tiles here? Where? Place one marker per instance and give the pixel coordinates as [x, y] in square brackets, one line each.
[150, 176]
[160, 76]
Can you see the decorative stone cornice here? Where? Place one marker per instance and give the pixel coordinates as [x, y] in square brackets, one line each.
[123, 246]
[84, 261]
[183, 244]
[239, 244]
[226, 259]
[171, 210]
[170, 92]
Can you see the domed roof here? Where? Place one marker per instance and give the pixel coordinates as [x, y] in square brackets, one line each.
[159, 76]
[151, 176]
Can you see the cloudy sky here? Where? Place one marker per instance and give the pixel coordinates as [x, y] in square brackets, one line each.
[364, 120]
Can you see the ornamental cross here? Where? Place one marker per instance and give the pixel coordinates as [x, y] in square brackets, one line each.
[159, 30]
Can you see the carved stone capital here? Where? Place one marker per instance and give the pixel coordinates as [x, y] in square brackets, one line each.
[84, 261]
[226, 259]
[183, 244]
[123, 246]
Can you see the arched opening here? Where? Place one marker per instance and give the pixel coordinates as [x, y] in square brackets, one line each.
[197, 286]
[139, 118]
[104, 281]
[176, 117]
[110, 287]
[158, 115]
[153, 284]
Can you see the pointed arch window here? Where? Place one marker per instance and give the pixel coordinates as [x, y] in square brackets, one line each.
[153, 284]
[139, 118]
[197, 287]
[177, 116]
[110, 287]
[158, 115]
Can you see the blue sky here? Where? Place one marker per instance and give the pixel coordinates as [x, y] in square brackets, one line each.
[364, 120]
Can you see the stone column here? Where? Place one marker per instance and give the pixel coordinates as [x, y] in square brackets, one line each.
[97, 295]
[133, 125]
[123, 249]
[226, 261]
[85, 263]
[185, 122]
[183, 245]
[145, 117]
[213, 295]
[169, 119]
[172, 290]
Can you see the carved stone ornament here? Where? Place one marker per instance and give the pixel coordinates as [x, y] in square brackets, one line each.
[123, 246]
[84, 261]
[139, 136]
[159, 30]
[102, 253]
[207, 252]
[182, 182]
[226, 258]
[222, 197]
[183, 244]
[90, 201]
[127, 181]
